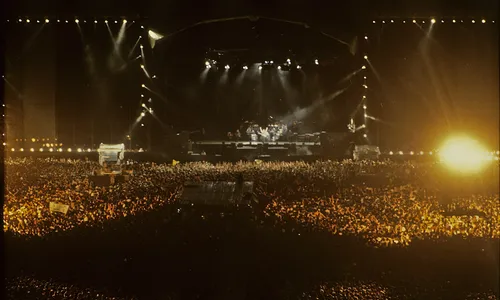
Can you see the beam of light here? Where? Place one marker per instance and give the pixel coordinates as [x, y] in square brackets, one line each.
[463, 155]
[133, 48]
[154, 37]
[224, 77]
[145, 71]
[142, 54]
[204, 74]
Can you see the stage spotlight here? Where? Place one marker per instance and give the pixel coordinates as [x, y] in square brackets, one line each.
[364, 106]
[95, 21]
[79, 150]
[208, 66]
[260, 67]
[392, 21]
[483, 21]
[47, 21]
[288, 61]
[473, 21]
[404, 21]
[58, 21]
[442, 21]
[374, 22]
[77, 21]
[365, 135]
[141, 46]
[142, 66]
[363, 67]
[12, 149]
[366, 115]
[227, 67]
[143, 85]
[391, 153]
[51, 150]
[414, 21]
[41, 149]
[32, 150]
[38, 21]
[365, 86]
[89, 150]
[143, 105]
[155, 36]
[154, 76]
[365, 57]
[299, 67]
[383, 22]
[22, 150]
[116, 22]
[142, 124]
[142, 95]
[143, 114]
[106, 21]
[207, 63]
[411, 153]
[27, 20]
[272, 62]
[20, 20]
[366, 37]
[316, 62]
[142, 27]
[421, 152]
[463, 154]
[150, 100]
[400, 152]
[279, 67]
[245, 68]
[433, 21]
[124, 21]
[66, 21]
[454, 21]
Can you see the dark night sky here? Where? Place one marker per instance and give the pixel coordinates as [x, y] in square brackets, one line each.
[422, 90]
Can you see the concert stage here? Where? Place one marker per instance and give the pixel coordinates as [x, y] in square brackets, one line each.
[256, 143]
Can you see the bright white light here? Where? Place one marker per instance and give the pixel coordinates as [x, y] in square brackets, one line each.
[20, 20]
[51, 150]
[363, 67]
[421, 152]
[411, 153]
[442, 21]
[392, 21]
[433, 21]
[272, 62]
[80, 149]
[116, 22]
[142, 95]
[47, 21]
[365, 57]
[454, 21]
[155, 36]
[143, 85]
[143, 114]
[260, 67]
[366, 37]
[316, 62]
[142, 27]
[32, 149]
[279, 67]
[141, 46]
[60, 150]
[207, 63]
[142, 66]
[66, 21]
[143, 105]
[483, 21]
[473, 21]
[391, 153]
[414, 21]
[227, 67]
[69, 149]
[365, 135]
[208, 66]
[365, 86]
[124, 21]
[245, 68]
[77, 21]
[364, 106]
[400, 152]
[106, 21]
[95, 21]
[142, 124]
[463, 154]
[299, 67]
[27, 20]
[89, 150]
[41, 150]
[12, 149]
[288, 61]
[374, 22]
[151, 110]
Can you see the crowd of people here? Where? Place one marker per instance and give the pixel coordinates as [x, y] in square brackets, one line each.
[386, 204]
[320, 195]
